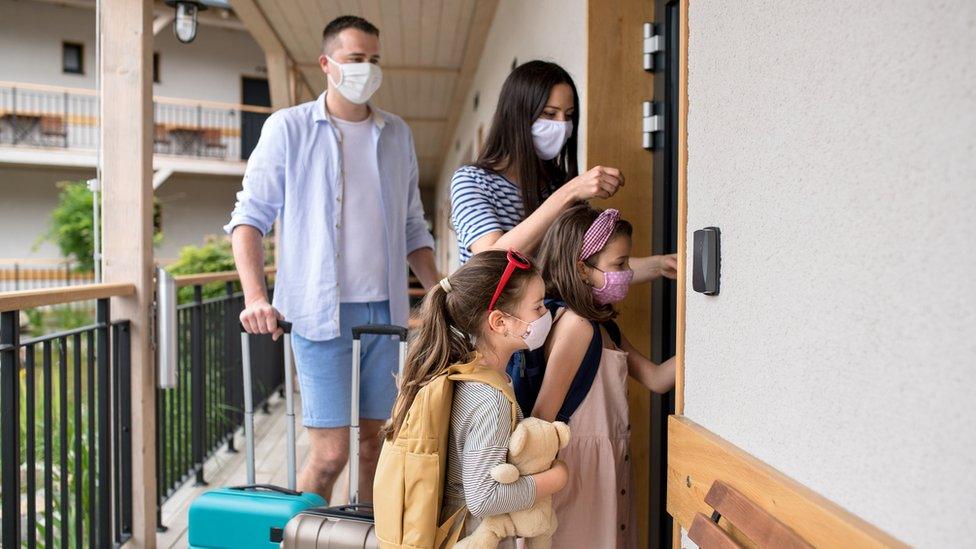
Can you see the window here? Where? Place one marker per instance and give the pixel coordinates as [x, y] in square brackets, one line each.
[156, 67]
[72, 58]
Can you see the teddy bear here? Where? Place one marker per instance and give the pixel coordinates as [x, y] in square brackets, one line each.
[531, 449]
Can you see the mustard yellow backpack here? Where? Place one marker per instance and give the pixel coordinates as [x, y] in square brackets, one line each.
[412, 469]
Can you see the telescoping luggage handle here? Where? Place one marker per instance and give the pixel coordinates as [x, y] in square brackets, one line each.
[249, 406]
[357, 333]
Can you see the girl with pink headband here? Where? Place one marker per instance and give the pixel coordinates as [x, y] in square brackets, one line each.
[580, 375]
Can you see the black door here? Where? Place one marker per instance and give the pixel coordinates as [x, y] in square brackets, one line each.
[664, 292]
[254, 92]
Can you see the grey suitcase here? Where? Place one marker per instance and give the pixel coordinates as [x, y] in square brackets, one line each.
[340, 527]
[345, 526]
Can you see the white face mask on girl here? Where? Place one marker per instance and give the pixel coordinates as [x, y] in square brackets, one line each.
[357, 81]
[549, 136]
[537, 332]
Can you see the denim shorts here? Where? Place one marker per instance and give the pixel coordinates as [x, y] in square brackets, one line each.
[325, 370]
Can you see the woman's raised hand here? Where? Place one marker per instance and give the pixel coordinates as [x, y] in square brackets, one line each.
[597, 182]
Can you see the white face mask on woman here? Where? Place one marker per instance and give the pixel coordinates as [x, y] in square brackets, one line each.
[549, 136]
[357, 81]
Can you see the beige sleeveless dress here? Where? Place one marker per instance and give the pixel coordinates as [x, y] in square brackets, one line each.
[594, 509]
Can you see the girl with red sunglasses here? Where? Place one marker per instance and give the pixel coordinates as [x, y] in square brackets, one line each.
[479, 316]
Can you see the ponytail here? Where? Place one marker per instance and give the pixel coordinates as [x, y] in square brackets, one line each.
[437, 344]
[452, 314]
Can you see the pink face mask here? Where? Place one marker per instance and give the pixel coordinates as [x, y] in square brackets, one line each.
[615, 286]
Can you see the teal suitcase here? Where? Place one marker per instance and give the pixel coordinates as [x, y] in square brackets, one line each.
[245, 517]
[252, 516]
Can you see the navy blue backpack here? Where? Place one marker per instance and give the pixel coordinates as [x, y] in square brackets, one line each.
[528, 368]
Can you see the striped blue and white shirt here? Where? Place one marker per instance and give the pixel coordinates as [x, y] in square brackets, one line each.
[483, 202]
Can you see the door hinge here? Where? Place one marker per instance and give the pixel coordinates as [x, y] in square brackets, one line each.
[653, 43]
[653, 125]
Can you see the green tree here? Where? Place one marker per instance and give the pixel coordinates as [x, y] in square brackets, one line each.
[71, 224]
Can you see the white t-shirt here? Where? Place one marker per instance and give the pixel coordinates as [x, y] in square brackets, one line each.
[363, 275]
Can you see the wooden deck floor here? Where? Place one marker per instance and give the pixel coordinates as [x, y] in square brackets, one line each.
[226, 469]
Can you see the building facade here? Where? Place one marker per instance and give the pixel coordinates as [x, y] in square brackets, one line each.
[211, 98]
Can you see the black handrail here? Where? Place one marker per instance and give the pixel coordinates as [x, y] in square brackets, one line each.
[76, 410]
[205, 409]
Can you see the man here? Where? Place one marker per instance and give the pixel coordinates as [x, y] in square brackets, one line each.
[341, 177]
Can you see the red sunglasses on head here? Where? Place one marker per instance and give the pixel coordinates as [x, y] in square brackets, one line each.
[515, 261]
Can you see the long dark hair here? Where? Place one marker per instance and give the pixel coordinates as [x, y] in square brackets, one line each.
[509, 145]
[558, 256]
[449, 320]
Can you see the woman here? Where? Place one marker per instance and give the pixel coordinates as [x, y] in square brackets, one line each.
[526, 174]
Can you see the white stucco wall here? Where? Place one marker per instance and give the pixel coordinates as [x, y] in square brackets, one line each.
[209, 68]
[834, 144]
[27, 197]
[192, 208]
[551, 30]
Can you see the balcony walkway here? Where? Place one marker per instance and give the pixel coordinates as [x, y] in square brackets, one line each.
[227, 469]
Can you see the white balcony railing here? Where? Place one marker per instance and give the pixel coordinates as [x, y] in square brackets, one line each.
[33, 115]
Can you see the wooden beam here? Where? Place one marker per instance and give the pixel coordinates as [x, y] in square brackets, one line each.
[279, 79]
[162, 21]
[679, 344]
[397, 68]
[706, 533]
[761, 527]
[257, 24]
[682, 227]
[28, 299]
[207, 278]
[276, 56]
[126, 137]
[697, 458]
[484, 13]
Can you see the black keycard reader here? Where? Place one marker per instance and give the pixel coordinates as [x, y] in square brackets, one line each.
[705, 273]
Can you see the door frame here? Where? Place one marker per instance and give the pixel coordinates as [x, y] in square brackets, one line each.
[666, 238]
[682, 228]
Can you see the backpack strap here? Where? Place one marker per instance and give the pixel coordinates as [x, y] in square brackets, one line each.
[613, 331]
[497, 380]
[452, 529]
[583, 380]
[528, 368]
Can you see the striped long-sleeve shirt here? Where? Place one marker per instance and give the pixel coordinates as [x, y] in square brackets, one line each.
[480, 424]
[483, 202]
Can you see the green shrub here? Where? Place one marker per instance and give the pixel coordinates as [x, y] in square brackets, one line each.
[214, 256]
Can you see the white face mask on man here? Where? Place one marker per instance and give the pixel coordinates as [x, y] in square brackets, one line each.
[357, 81]
[549, 136]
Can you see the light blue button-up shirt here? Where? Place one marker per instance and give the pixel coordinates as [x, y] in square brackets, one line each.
[296, 173]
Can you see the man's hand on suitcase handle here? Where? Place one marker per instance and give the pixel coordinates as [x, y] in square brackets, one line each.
[260, 317]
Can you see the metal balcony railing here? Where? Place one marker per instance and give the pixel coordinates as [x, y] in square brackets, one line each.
[65, 409]
[65, 426]
[33, 115]
[205, 409]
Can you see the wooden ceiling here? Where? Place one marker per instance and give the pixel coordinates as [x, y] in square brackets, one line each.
[429, 48]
